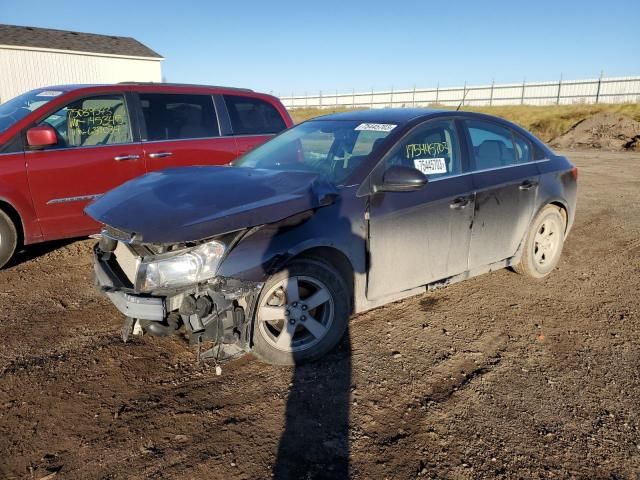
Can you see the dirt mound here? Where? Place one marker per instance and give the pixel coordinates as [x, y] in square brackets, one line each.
[607, 131]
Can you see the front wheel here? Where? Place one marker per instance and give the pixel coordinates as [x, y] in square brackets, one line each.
[8, 238]
[543, 245]
[302, 313]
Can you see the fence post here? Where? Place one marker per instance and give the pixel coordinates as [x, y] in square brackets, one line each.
[320, 99]
[559, 87]
[437, 92]
[413, 99]
[491, 94]
[599, 84]
[464, 92]
[524, 82]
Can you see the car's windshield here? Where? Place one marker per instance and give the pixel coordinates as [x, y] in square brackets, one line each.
[331, 148]
[19, 107]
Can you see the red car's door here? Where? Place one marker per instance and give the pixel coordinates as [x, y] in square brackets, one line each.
[96, 152]
[182, 130]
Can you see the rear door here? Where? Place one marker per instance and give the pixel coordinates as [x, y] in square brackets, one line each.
[253, 121]
[506, 183]
[416, 238]
[96, 152]
[182, 129]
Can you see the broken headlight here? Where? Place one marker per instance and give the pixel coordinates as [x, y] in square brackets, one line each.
[187, 268]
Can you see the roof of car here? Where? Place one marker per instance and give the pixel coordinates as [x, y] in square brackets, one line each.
[185, 85]
[78, 86]
[396, 115]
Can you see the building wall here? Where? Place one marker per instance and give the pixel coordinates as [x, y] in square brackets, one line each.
[22, 70]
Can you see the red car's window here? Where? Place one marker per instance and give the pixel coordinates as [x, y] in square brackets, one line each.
[170, 116]
[253, 116]
[91, 121]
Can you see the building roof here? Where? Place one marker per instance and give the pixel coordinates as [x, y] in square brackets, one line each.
[75, 41]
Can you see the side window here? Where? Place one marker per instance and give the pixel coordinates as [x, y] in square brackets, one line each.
[538, 153]
[91, 121]
[170, 116]
[492, 145]
[252, 116]
[433, 148]
[523, 149]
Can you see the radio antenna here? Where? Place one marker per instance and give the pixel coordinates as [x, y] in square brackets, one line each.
[464, 96]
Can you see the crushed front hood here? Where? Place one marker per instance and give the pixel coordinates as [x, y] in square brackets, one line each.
[194, 203]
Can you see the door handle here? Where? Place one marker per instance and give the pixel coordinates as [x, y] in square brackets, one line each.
[160, 154]
[120, 158]
[528, 185]
[459, 203]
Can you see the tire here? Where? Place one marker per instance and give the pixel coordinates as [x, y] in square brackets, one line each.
[8, 238]
[543, 243]
[313, 329]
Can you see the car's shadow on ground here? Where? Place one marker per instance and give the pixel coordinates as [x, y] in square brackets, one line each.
[315, 442]
[31, 252]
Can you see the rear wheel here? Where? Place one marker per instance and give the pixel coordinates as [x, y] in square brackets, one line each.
[543, 244]
[302, 313]
[8, 238]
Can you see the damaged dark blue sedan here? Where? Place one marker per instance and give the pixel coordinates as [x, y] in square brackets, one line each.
[335, 216]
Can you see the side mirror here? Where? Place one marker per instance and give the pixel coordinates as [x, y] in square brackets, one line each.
[43, 136]
[399, 178]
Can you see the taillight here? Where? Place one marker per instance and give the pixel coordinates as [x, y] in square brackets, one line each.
[574, 172]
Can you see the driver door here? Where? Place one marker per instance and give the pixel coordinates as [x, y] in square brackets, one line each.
[95, 153]
[422, 236]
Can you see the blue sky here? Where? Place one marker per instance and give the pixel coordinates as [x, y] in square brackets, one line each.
[289, 47]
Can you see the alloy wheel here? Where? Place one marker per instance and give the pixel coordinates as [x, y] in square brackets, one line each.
[296, 313]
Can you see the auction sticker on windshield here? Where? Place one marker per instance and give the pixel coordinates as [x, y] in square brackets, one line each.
[430, 165]
[48, 93]
[376, 127]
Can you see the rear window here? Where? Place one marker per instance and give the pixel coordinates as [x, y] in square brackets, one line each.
[170, 116]
[492, 145]
[253, 116]
[523, 149]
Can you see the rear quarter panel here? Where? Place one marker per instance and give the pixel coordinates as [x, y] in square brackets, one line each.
[558, 184]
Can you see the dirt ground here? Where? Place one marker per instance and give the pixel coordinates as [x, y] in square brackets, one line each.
[499, 376]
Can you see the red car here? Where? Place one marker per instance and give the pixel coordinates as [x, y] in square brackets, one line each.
[63, 146]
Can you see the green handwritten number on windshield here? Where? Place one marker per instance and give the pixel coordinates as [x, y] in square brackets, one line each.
[414, 150]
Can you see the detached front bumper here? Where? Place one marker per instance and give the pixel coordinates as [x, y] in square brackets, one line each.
[133, 306]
